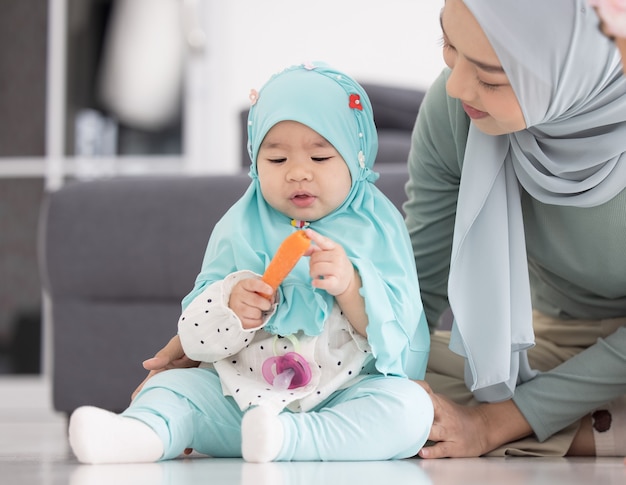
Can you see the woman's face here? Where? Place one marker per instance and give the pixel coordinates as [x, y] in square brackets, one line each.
[477, 79]
[612, 15]
[620, 42]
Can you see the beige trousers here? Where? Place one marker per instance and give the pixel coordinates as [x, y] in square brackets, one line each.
[555, 342]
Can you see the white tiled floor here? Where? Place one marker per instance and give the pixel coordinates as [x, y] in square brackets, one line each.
[34, 451]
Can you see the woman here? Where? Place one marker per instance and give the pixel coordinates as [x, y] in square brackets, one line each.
[517, 214]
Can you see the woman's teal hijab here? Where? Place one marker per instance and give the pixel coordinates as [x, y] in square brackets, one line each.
[367, 225]
[568, 79]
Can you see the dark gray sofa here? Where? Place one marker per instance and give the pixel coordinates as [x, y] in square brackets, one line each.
[118, 255]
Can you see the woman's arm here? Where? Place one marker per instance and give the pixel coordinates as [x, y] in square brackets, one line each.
[557, 398]
[543, 406]
[435, 162]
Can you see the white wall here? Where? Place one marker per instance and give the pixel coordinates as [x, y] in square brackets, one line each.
[394, 42]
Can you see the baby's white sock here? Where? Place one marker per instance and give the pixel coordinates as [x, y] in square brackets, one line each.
[262, 435]
[609, 428]
[100, 436]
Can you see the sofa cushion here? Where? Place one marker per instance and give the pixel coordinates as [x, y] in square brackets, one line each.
[152, 231]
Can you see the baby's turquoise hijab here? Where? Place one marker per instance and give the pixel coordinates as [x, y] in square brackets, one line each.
[568, 79]
[367, 225]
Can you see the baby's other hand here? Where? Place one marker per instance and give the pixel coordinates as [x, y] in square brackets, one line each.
[329, 265]
[247, 302]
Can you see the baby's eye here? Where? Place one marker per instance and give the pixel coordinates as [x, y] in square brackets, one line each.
[277, 160]
[320, 159]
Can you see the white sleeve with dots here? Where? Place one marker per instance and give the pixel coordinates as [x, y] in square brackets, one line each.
[208, 329]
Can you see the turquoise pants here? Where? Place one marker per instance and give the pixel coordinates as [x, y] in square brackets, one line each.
[379, 418]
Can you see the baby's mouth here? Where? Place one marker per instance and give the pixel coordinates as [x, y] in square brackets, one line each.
[303, 199]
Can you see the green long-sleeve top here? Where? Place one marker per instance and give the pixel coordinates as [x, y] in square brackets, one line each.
[577, 265]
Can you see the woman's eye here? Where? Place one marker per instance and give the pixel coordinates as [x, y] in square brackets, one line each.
[448, 52]
[445, 45]
[487, 86]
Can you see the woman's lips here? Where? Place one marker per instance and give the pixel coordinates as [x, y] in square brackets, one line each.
[302, 200]
[474, 113]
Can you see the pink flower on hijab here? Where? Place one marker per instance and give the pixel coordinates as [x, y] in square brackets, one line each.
[613, 15]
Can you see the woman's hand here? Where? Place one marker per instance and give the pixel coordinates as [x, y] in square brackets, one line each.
[169, 357]
[470, 431]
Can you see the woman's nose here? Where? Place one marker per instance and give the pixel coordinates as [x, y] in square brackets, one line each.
[460, 84]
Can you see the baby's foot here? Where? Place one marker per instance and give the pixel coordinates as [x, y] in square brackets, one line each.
[100, 436]
[262, 435]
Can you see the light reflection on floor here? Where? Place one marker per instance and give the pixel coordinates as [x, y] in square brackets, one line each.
[34, 451]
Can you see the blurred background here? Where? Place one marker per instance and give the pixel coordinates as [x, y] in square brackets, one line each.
[111, 88]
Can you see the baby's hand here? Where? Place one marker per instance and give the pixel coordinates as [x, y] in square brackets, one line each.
[329, 265]
[248, 304]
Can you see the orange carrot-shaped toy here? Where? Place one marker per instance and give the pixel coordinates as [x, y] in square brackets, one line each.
[288, 254]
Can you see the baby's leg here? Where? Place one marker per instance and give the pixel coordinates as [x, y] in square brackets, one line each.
[380, 418]
[100, 436]
[181, 408]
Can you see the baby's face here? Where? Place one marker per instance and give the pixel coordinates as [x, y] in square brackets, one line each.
[301, 174]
